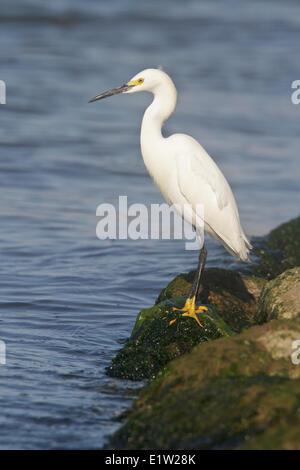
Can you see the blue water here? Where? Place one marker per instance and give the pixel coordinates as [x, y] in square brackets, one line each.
[69, 300]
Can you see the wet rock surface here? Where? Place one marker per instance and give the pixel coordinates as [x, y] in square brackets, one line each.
[278, 251]
[235, 383]
[154, 342]
[231, 299]
[233, 294]
[235, 392]
[280, 298]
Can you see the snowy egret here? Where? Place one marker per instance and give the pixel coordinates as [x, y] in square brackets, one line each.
[186, 175]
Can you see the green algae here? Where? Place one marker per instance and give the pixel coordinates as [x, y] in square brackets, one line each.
[229, 385]
[228, 393]
[231, 298]
[233, 294]
[219, 415]
[154, 342]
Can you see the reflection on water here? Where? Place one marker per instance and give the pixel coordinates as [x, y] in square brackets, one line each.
[67, 299]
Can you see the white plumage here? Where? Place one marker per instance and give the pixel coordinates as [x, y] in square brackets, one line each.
[184, 171]
[187, 176]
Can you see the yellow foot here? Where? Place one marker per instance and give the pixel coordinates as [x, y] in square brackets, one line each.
[190, 309]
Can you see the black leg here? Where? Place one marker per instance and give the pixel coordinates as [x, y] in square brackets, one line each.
[190, 308]
[201, 263]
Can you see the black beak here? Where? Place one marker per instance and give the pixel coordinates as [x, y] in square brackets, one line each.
[114, 91]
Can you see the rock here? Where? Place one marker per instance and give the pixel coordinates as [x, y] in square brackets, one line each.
[235, 295]
[280, 297]
[233, 384]
[278, 251]
[234, 392]
[153, 343]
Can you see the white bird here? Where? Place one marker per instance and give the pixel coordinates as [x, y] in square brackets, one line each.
[186, 175]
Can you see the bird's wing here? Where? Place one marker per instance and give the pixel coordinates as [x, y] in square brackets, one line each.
[201, 181]
[202, 184]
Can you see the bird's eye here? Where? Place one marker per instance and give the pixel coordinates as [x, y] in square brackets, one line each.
[140, 81]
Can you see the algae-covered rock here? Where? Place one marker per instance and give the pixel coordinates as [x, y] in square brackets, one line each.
[280, 297]
[224, 414]
[229, 385]
[232, 301]
[154, 342]
[278, 251]
[234, 392]
[232, 293]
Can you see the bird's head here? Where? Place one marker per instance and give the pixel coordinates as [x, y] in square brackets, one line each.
[147, 80]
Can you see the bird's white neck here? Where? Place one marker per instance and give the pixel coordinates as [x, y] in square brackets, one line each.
[161, 108]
